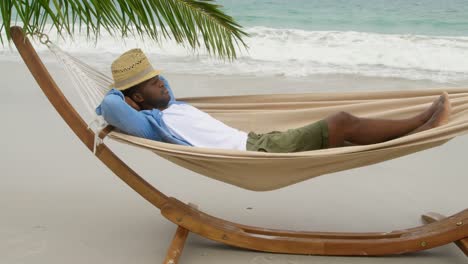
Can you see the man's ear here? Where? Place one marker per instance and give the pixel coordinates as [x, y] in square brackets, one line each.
[132, 103]
[137, 97]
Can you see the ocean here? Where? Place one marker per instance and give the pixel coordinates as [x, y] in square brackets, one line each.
[409, 39]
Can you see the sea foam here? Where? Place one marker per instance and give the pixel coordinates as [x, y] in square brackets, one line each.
[295, 53]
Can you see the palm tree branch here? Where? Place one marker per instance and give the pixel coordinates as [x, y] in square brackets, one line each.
[188, 22]
[214, 23]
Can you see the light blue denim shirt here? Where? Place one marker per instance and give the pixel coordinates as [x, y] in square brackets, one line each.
[146, 123]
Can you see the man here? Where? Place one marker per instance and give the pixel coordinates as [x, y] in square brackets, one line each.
[142, 104]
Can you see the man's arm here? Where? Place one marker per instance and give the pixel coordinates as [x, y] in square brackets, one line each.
[118, 113]
[124, 114]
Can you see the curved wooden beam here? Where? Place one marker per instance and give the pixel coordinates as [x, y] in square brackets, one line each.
[269, 240]
[318, 243]
[434, 217]
[77, 124]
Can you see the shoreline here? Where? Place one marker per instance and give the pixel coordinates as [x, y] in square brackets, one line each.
[241, 85]
[191, 85]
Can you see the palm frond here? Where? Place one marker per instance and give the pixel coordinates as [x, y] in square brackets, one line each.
[192, 23]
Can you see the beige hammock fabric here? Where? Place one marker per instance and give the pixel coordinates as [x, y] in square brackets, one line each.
[261, 171]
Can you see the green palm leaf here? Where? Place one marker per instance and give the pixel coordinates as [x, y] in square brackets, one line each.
[192, 23]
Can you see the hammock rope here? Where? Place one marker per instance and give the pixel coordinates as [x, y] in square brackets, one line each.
[90, 84]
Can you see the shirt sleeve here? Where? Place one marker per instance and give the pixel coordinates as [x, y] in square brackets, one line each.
[119, 114]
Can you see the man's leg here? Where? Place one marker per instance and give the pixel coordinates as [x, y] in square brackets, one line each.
[344, 127]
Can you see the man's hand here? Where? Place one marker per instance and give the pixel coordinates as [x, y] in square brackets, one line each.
[132, 103]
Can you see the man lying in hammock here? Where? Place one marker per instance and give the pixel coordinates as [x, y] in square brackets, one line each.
[142, 104]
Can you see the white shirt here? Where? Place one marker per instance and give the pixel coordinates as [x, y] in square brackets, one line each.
[202, 130]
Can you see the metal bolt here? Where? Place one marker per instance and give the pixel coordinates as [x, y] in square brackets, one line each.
[459, 223]
[423, 244]
[225, 237]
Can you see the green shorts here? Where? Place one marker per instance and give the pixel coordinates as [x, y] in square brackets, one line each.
[309, 137]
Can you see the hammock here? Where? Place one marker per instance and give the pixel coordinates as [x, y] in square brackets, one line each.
[260, 171]
[283, 110]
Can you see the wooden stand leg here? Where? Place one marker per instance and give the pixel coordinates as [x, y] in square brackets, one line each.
[177, 245]
[433, 217]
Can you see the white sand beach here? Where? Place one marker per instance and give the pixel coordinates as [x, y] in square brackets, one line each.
[60, 204]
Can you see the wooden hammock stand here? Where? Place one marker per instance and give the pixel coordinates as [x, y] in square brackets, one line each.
[438, 231]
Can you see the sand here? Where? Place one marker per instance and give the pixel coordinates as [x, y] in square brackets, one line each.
[59, 204]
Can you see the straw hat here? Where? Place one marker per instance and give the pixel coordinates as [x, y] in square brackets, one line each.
[131, 68]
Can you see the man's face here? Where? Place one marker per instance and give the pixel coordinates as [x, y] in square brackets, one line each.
[153, 94]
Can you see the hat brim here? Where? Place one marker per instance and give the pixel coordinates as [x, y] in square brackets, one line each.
[147, 76]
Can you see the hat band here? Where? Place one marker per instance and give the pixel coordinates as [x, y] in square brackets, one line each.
[133, 78]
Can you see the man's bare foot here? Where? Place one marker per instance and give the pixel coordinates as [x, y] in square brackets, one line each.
[439, 117]
[427, 114]
[447, 110]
